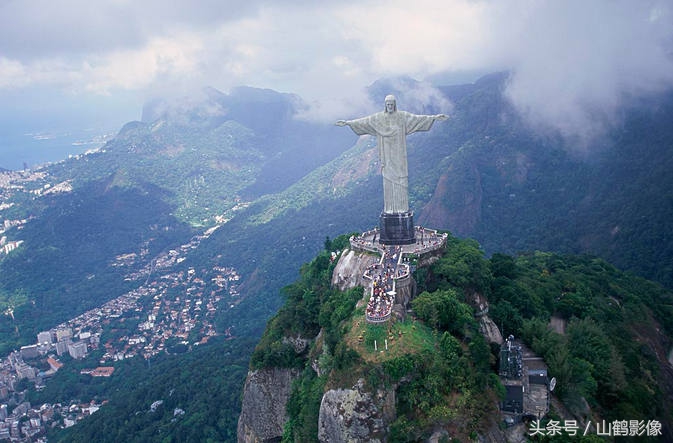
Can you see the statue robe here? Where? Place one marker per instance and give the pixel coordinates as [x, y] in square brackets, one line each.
[391, 129]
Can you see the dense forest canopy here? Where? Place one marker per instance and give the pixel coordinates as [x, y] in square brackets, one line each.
[608, 361]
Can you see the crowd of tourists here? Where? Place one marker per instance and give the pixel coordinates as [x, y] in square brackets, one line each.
[383, 275]
[380, 303]
[390, 268]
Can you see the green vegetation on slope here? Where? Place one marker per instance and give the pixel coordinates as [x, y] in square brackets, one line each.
[618, 329]
[442, 372]
[439, 364]
[513, 190]
[198, 170]
[64, 265]
[200, 392]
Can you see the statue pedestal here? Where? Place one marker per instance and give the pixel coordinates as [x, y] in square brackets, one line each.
[397, 229]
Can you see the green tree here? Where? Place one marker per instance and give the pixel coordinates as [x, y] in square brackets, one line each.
[464, 266]
[442, 310]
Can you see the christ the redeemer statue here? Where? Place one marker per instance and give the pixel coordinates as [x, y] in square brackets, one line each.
[391, 128]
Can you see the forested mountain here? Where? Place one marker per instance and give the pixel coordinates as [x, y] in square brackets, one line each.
[437, 373]
[514, 190]
[278, 186]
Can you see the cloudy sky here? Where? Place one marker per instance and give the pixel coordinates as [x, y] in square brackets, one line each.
[65, 62]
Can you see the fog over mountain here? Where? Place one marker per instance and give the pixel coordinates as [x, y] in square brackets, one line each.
[232, 182]
[573, 62]
[224, 161]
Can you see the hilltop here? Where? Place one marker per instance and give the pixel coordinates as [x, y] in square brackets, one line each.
[317, 373]
[270, 188]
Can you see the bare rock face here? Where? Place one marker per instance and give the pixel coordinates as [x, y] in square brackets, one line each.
[490, 330]
[350, 268]
[263, 413]
[353, 415]
[298, 343]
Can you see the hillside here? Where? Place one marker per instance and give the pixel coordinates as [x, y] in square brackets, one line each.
[515, 190]
[277, 188]
[284, 185]
[148, 190]
[485, 174]
[438, 375]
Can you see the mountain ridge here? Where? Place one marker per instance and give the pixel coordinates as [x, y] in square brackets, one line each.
[280, 190]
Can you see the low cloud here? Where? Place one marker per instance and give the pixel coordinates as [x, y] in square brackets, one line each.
[422, 98]
[572, 62]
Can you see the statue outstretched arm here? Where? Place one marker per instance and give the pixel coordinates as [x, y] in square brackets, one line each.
[360, 126]
[440, 117]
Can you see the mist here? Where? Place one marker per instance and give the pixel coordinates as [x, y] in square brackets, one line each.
[572, 64]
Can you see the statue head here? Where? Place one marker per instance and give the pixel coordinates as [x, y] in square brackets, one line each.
[390, 104]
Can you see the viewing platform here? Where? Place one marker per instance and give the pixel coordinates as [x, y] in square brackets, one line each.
[428, 241]
[393, 271]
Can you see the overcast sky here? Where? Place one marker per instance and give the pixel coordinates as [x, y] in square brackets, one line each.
[572, 60]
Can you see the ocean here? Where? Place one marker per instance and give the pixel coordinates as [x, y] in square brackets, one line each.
[31, 149]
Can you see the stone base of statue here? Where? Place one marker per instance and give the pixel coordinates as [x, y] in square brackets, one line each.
[397, 229]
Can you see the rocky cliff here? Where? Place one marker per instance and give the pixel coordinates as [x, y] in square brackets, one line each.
[350, 268]
[355, 415]
[266, 391]
[263, 409]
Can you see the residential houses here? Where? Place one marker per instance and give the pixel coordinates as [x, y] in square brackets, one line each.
[169, 306]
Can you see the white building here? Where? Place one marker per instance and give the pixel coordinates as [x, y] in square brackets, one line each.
[44, 337]
[77, 350]
[62, 347]
[9, 247]
[29, 351]
[63, 334]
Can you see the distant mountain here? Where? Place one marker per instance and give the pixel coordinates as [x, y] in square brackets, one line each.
[278, 187]
[486, 174]
[288, 148]
[514, 190]
[155, 184]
